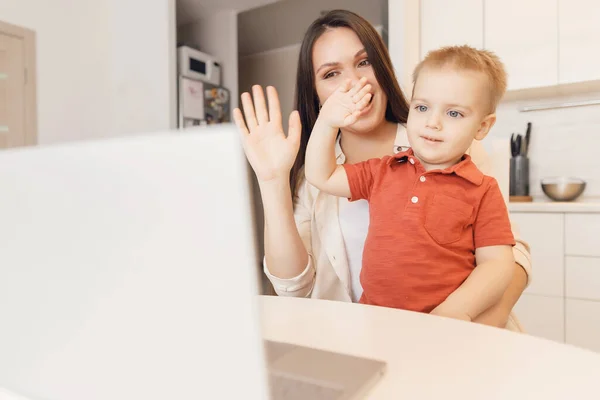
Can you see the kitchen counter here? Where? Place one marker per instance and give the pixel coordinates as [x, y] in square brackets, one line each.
[463, 360]
[545, 205]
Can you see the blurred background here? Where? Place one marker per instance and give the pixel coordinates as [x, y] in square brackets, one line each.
[87, 69]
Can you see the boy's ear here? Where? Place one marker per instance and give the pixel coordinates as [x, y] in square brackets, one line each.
[485, 126]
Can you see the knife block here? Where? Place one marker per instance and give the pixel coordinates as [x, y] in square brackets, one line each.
[519, 176]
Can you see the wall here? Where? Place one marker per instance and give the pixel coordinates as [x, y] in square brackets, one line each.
[216, 34]
[143, 65]
[102, 70]
[564, 141]
[270, 56]
[273, 67]
[404, 48]
[72, 65]
[283, 23]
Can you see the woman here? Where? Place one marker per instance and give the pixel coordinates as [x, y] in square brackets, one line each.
[313, 241]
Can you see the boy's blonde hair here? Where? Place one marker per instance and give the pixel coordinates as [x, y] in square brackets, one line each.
[469, 58]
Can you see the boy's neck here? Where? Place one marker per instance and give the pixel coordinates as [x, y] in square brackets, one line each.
[430, 167]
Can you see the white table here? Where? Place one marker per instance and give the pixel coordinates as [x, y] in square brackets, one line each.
[436, 358]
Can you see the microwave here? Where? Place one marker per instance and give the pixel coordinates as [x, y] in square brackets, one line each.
[195, 64]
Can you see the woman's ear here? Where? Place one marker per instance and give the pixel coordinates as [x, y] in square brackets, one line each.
[485, 126]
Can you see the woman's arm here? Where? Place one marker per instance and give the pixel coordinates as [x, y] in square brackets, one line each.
[301, 284]
[271, 154]
[285, 254]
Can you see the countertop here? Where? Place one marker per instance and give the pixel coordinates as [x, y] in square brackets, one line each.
[431, 358]
[545, 205]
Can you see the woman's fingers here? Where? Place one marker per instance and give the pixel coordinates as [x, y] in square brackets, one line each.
[238, 118]
[249, 111]
[294, 129]
[274, 105]
[260, 105]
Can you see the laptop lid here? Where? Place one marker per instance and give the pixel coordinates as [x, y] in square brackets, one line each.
[128, 270]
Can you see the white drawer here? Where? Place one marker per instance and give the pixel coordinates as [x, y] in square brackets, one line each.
[542, 316]
[582, 235]
[545, 234]
[583, 324]
[583, 278]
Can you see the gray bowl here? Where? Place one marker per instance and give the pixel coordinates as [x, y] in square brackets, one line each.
[562, 188]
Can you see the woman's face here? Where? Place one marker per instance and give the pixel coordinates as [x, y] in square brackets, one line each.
[338, 54]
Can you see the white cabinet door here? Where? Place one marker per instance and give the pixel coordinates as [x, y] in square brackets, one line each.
[545, 234]
[542, 316]
[582, 278]
[445, 23]
[582, 232]
[524, 35]
[583, 323]
[578, 33]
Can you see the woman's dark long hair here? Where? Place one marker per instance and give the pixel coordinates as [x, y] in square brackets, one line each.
[307, 101]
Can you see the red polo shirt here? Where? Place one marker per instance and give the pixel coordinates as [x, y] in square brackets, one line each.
[424, 228]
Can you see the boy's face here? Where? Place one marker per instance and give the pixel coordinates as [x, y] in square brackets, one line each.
[449, 108]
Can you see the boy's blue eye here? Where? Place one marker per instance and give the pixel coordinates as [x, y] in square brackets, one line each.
[454, 114]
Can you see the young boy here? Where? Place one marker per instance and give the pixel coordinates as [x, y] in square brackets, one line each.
[435, 219]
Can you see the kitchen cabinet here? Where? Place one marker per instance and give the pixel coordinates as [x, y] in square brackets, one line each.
[444, 24]
[583, 232]
[545, 234]
[543, 43]
[563, 301]
[583, 323]
[542, 316]
[582, 279]
[578, 33]
[523, 34]
[541, 307]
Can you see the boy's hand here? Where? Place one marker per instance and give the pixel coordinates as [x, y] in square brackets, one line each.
[447, 312]
[345, 105]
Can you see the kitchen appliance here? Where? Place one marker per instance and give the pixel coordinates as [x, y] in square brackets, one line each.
[202, 103]
[195, 64]
[563, 188]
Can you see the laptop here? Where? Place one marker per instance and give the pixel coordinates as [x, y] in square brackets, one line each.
[128, 270]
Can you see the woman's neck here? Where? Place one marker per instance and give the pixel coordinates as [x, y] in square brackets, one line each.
[359, 147]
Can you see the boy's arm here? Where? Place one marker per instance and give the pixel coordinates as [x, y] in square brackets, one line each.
[498, 315]
[342, 108]
[484, 287]
[321, 168]
[494, 259]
